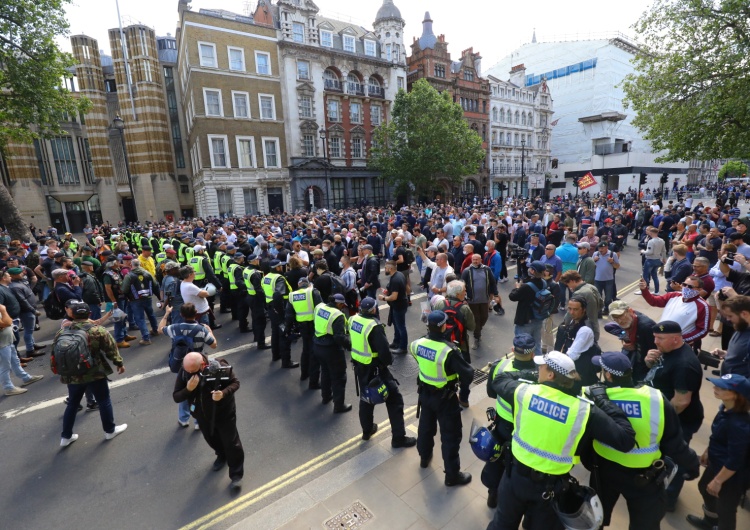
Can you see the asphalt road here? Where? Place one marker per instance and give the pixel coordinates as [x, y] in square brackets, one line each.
[156, 474]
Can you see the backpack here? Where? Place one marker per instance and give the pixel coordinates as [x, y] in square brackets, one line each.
[71, 353]
[408, 256]
[181, 346]
[53, 308]
[544, 301]
[454, 328]
[338, 285]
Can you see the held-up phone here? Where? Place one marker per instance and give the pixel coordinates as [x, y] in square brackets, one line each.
[729, 259]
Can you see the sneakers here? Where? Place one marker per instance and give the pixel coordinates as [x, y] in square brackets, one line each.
[183, 424]
[218, 464]
[65, 442]
[197, 427]
[154, 332]
[32, 380]
[80, 407]
[15, 391]
[123, 344]
[236, 484]
[144, 342]
[119, 429]
[90, 407]
[638, 292]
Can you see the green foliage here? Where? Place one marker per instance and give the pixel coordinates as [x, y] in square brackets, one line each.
[31, 69]
[733, 169]
[427, 139]
[691, 88]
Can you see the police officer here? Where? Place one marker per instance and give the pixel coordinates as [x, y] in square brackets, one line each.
[226, 259]
[301, 309]
[523, 359]
[252, 278]
[371, 357]
[551, 425]
[637, 475]
[276, 290]
[441, 367]
[331, 339]
[204, 274]
[237, 289]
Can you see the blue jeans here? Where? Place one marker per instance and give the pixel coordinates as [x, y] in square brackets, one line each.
[122, 326]
[398, 316]
[100, 389]
[142, 308]
[28, 319]
[605, 288]
[96, 311]
[183, 411]
[650, 271]
[9, 362]
[533, 328]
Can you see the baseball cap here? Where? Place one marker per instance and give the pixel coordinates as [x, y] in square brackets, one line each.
[367, 304]
[338, 298]
[437, 318]
[583, 245]
[274, 263]
[614, 362]
[734, 382]
[557, 362]
[666, 327]
[538, 266]
[170, 251]
[79, 308]
[618, 308]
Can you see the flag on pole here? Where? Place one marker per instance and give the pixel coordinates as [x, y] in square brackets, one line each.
[555, 122]
[586, 181]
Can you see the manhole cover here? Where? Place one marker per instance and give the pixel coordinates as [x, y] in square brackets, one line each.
[355, 516]
[405, 365]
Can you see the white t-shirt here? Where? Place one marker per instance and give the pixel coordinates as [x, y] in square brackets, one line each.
[189, 292]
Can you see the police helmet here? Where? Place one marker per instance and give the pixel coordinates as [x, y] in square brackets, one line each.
[579, 508]
[375, 392]
[484, 445]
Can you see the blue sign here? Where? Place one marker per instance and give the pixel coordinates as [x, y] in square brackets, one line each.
[324, 314]
[426, 353]
[549, 409]
[632, 409]
[300, 297]
[357, 327]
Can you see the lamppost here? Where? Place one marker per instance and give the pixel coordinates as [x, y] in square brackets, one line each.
[324, 136]
[119, 125]
[523, 167]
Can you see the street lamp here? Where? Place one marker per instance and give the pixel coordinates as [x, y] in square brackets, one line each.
[119, 125]
[324, 136]
[523, 167]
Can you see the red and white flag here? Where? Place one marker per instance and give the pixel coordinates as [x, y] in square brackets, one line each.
[586, 181]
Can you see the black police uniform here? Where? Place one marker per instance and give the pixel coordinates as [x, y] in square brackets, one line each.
[237, 295]
[276, 316]
[309, 364]
[329, 349]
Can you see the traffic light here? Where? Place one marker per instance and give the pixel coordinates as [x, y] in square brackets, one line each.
[664, 178]
[644, 176]
[605, 179]
[575, 181]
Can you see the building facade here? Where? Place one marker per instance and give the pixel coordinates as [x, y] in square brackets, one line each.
[339, 81]
[463, 79]
[230, 82]
[592, 130]
[80, 177]
[520, 120]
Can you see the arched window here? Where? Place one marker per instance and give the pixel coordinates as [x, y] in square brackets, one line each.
[494, 113]
[517, 117]
[531, 118]
[374, 88]
[523, 118]
[502, 115]
[331, 80]
[509, 116]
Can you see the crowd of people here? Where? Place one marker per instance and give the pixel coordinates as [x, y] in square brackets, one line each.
[317, 278]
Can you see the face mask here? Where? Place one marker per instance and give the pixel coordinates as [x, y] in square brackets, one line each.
[325, 249]
[688, 293]
[341, 265]
[486, 248]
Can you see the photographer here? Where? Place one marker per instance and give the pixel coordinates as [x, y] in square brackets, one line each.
[209, 389]
[525, 295]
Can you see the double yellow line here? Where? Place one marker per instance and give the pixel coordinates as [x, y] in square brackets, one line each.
[302, 471]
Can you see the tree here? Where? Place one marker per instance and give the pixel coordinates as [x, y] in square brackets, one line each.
[733, 169]
[690, 89]
[32, 68]
[427, 139]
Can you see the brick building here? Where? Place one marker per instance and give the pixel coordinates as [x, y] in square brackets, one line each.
[463, 79]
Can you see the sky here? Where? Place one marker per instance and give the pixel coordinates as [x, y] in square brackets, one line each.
[493, 28]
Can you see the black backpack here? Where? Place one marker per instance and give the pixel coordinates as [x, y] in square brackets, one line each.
[544, 301]
[53, 308]
[338, 285]
[408, 256]
[71, 353]
[181, 346]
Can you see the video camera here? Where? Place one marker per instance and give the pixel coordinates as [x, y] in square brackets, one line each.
[215, 374]
[517, 252]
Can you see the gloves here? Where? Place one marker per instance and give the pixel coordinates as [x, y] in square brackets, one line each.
[598, 394]
[694, 471]
[529, 375]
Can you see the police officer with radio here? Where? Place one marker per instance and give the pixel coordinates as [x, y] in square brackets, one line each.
[441, 367]
[331, 339]
[523, 359]
[276, 290]
[204, 274]
[551, 426]
[638, 475]
[301, 309]
[371, 357]
[237, 289]
[254, 300]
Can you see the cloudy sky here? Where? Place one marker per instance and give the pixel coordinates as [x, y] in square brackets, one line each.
[494, 28]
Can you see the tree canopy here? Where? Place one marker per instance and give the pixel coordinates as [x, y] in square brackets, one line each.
[427, 139]
[733, 169]
[691, 87]
[31, 70]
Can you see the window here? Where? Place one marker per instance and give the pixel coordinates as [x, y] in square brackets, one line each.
[262, 63]
[246, 151]
[267, 107]
[326, 39]
[271, 152]
[353, 85]
[218, 147]
[523, 118]
[468, 75]
[241, 104]
[212, 102]
[356, 147]
[374, 88]
[184, 188]
[147, 75]
[515, 139]
[358, 190]
[387, 52]
[251, 201]
[335, 147]
[502, 115]
[400, 83]
[308, 145]
[207, 52]
[349, 44]
[144, 42]
[517, 116]
[355, 112]
[396, 52]
[378, 190]
[494, 114]
[531, 118]
[303, 70]
[376, 114]
[333, 110]
[370, 48]
[64, 155]
[298, 32]
[507, 139]
[331, 80]
[439, 70]
[236, 59]
[224, 198]
[305, 107]
[338, 192]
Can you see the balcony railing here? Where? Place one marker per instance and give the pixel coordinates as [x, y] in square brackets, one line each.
[357, 89]
[376, 92]
[332, 84]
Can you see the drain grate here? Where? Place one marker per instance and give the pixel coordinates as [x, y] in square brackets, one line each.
[355, 516]
[480, 376]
